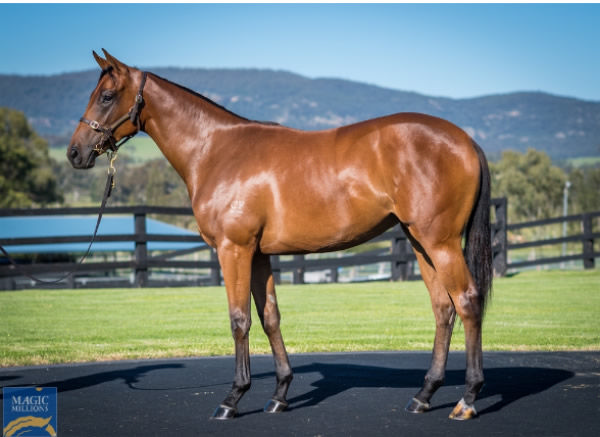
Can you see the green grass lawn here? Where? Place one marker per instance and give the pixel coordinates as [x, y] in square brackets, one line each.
[531, 311]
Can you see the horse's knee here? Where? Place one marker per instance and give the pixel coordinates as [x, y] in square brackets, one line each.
[240, 324]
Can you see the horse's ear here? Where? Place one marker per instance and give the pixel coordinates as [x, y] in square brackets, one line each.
[117, 65]
[101, 62]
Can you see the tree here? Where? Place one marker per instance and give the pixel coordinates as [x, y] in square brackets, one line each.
[26, 176]
[585, 190]
[533, 186]
[153, 183]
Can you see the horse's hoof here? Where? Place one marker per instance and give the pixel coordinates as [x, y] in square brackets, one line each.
[223, 412]
[463, 411]
[416, 406]
[275, 406]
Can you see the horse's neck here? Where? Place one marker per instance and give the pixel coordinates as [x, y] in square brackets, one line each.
[182, 125]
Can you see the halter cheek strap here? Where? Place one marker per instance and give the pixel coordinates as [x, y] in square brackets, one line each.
[108, 140]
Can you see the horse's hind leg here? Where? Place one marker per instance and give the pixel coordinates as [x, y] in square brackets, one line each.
[452, 289]
[444, 312]
[263, 291]
[453, 273]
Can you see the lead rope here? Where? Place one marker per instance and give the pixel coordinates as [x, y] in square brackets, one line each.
[110, 184]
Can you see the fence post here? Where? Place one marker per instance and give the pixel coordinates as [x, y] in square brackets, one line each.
[8, 284]
[215, 272]
[499, 237]
[71, 281]
[333, 274]
[141, 250]
[400, 250]
[276, 269]
[588, 243]
[299, 270]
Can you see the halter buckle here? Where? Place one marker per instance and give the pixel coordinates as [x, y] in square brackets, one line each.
[99, 149]
[94, 125]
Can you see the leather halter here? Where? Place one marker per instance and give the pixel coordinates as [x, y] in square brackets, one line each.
[108, 141]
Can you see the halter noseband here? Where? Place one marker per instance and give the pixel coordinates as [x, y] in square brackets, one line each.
[108, 140]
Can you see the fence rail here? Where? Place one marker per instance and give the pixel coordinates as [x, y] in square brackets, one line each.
[142, 263]
[586, 238]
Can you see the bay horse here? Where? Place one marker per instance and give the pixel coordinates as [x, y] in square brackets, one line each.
[260, 189]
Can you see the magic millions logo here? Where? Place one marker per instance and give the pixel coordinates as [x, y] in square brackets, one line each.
[29, 411]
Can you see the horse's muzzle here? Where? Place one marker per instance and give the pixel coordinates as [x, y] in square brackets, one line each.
[81, 160]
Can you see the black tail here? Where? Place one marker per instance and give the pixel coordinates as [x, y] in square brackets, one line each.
[478, 246]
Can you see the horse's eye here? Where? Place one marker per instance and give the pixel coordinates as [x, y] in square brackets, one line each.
[107, 96]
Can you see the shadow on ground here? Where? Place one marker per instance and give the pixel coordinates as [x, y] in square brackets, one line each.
[510, 383]
[364, 392]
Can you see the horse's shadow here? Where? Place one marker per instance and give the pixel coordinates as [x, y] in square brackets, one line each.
[130, 377]
[510, 383]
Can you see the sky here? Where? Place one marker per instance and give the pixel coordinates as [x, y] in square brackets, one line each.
[448, 50]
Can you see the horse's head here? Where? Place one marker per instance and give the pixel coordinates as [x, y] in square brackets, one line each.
[111, 114]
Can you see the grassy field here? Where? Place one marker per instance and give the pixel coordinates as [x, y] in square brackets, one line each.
[531, 311]
[584, 161]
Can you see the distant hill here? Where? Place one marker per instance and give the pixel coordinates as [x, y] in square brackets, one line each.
[563, 127]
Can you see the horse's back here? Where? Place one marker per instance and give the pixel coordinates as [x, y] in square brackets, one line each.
[419, 161]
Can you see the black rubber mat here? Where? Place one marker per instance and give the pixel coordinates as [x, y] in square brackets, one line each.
[349, 394]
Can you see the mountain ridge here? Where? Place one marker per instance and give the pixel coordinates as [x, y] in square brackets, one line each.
[564, 127]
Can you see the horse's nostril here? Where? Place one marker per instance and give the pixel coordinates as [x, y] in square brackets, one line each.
[74, 153]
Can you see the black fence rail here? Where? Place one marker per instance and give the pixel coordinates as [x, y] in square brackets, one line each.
[141, 266]
[587, 237]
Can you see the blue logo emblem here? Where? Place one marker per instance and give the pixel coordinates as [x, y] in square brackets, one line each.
[29, 411]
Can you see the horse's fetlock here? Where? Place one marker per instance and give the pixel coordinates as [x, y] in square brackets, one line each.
[474, 382]
[285, 378]
[433, 382]
[243, 386]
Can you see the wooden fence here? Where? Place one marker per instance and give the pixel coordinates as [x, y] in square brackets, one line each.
[586, 238]
[393, 250]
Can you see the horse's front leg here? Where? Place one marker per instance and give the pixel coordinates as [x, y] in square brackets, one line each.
[236, 262]
[263, 290]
